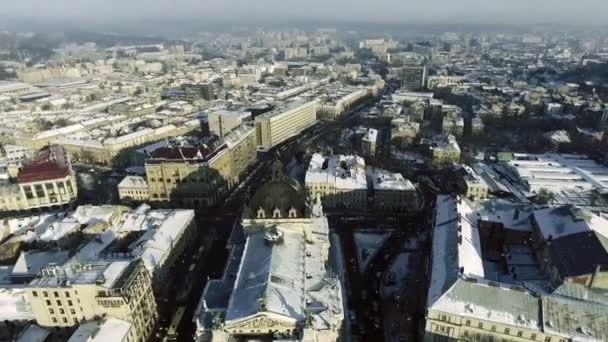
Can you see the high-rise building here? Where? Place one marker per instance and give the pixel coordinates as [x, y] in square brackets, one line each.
[284, 122]
[413, 77]
[195, 91]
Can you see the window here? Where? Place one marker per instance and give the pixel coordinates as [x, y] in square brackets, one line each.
[468, 322]
[72, 311]
[444, 318]
[507, 330]
[520, 333]
[493, 328]
[56, 294]
[35, 293]
[67, 294]
[61, 311]
[39, 191]
[28, 192]
[533, 336]
[59, 302]
[48, 302]
[65, 320]
[480, 325]
[70, 303]
[51, 311]
[54, 319]
[75, 320]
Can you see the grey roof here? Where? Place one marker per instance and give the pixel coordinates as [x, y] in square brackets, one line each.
[272, 273]
[480, 300]
[577, 319]
[579, 254]
[31, 262]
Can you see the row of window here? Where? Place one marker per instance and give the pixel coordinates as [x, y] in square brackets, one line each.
[56, 294]
[60, 303]
[39, 190]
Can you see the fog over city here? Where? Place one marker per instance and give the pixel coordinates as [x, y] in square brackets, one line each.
[395, 11]
[306, 171]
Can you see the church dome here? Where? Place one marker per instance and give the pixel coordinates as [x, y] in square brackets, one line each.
[281, 197]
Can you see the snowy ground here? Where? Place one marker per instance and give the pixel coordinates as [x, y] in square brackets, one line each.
[400, 267]
[394, 293]
[368, 244]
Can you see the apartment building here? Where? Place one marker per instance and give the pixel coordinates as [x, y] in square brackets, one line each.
[284, 122]
[65, 296]
[201, 175]
[338, 181]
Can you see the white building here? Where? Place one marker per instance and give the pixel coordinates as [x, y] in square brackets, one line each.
[338, 181]
[133, 188]
[558, 172]
[287, 121]
[223, 122]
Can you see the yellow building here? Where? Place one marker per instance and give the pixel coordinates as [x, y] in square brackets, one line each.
[203, 175]
[283, 123]
[338, 181]
[47, 180]
[68, 295]
[445, 150]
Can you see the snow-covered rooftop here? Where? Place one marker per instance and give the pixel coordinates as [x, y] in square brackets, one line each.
[385, 180]
[344, 172]
[559, 172]
[554, 223]
[110, 329]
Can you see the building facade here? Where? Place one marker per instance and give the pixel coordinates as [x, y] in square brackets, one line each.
[281, 124]
[338, 181]
[279, 283]
[133, 188]
[47, 180]
[200, 176]
[68, 295]
[224, 121]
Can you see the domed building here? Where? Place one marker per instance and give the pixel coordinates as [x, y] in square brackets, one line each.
[279, 284]
[279, 198]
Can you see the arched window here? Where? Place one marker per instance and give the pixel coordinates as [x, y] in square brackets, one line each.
[276, 213]
[261, 213]
[293, 213]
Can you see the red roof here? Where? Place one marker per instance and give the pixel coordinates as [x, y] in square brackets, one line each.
[49, 163]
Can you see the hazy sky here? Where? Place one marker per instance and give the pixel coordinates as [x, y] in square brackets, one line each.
[418, 11]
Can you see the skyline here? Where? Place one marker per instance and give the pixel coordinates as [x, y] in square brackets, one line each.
[97, 12]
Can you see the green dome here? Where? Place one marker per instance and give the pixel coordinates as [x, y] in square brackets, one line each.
[279, 193]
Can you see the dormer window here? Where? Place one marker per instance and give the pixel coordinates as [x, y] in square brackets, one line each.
[261, 213]
[276, 213]
[293, 213]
